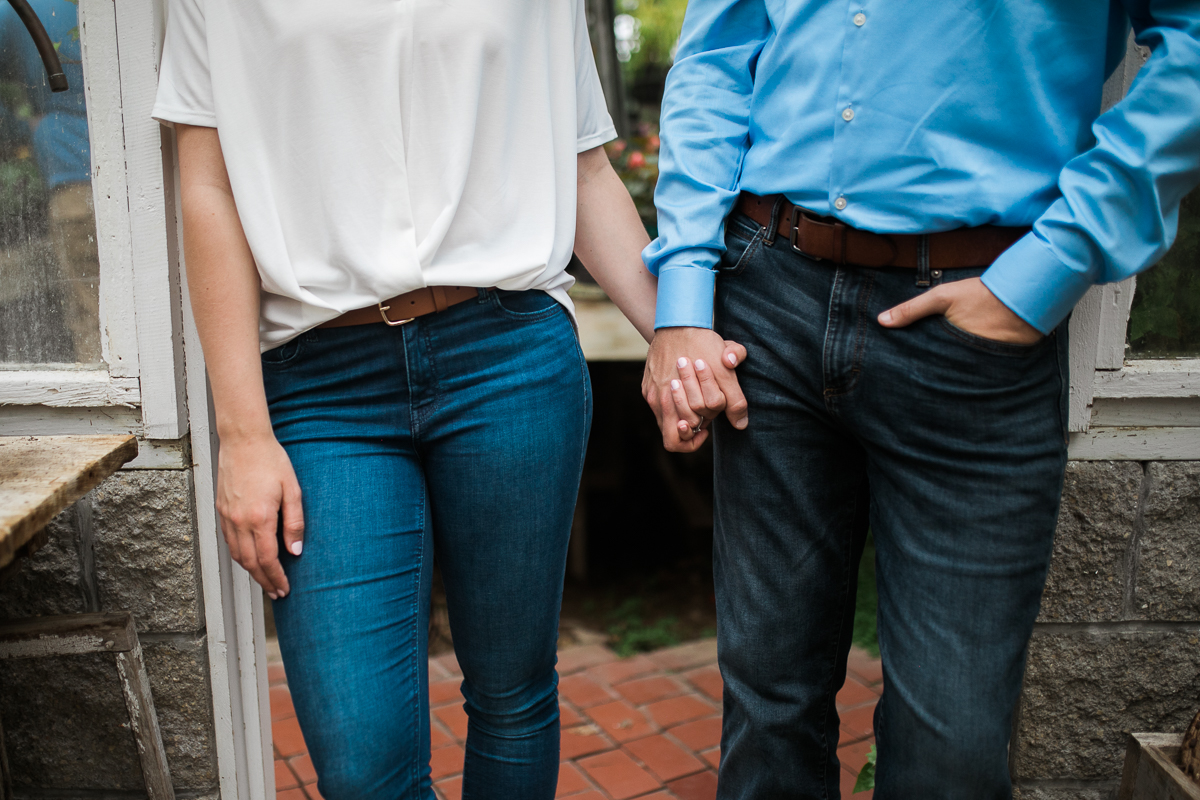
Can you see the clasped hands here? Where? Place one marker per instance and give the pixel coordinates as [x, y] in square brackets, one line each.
[690, 373]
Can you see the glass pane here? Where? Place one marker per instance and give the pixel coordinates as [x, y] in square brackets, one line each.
[49, 272]
[1165, 319]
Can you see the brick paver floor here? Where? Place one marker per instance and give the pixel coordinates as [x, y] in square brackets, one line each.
[646, 727]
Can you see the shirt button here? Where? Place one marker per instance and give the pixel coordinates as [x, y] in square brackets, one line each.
[840, 203]
[860, 19]
[848, 114]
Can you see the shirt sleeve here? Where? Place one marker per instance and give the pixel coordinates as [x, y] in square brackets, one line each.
[595, 126]
[1119, 209]
[184, 82]
[705, 136]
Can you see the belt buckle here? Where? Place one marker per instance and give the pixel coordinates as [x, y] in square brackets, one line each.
[795, 232]
[394, 323]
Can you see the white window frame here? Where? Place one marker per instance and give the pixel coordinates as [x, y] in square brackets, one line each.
[1140, 410]
[153, 381]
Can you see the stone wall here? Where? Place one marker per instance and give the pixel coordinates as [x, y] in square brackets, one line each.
[130, 545]
[1117, 646]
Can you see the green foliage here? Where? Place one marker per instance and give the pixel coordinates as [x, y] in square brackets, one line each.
[631, 633]
[866, 776]
[23, 199]
[636, 161]
[659, 23]
[1165, 318]
[866, 632]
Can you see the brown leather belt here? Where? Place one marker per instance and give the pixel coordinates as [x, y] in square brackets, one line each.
[828, 239]
[405, 307]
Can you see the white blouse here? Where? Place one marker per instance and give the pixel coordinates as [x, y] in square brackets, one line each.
[378, 146]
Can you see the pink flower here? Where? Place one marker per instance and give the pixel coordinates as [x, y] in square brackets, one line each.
[652, 143]
[637, 160]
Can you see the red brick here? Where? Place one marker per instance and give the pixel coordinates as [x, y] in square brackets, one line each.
[581, 741]
[868, 668]
[591, 794]
[583, 691]
[291, 794]
[289, 741]
[275, 674]
[442, 692]
[311, 790]
[622, 670]
[446, 761]
[708, 680]
[304, 769]
[854, 756]
[450, 788]
[859, 722]
[701, 786]
[281, 703]
[454, 718]
[438, 737]
[449, 662]
[855, 693]
[284, 777]
[618, 775]
[568, 717]
[574, 659]
[621, 721]
[570, 780]
[436, 671]
[713, 757]
[686, 656]
[678, 709]
[664, 758]
[699, 734]
[647, 690]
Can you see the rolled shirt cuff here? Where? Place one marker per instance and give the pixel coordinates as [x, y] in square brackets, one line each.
[685, 297]
[1034, 283]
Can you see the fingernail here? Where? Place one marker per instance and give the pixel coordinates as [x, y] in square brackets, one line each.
[683, 426]
[272, 595]
[732, 359]
[742, 423]
[700, 364]
[681, 363]
[297, 548]
[675, 385]
[886, 317]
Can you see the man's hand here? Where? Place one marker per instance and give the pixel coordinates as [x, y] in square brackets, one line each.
[968, 305]
[689, 380]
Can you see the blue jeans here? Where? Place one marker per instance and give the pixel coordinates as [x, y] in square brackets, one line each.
[460, 433]
[951, 449]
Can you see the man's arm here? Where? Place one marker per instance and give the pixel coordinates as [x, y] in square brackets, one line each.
[1119, 209]
[705, 135]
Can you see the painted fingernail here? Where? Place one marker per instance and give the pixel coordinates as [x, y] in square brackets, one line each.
[681, 363]
[297, 548]
[675, 385]
[732, 359]
[700, 364]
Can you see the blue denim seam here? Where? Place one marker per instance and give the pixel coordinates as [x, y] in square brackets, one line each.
[987, 345]
[839, 278]
[421, 659]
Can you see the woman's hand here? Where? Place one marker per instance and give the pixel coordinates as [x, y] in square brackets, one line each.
[255, 480]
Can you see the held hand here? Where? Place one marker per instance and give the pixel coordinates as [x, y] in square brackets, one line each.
[689, 380]
[255, 480]
[968, 305]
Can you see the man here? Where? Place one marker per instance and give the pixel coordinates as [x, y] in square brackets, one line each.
[899, 204]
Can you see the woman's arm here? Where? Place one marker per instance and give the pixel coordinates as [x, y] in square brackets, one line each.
[254, 476]
[609, 238]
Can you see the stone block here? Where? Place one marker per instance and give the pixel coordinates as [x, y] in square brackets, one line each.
[1103, 790]
[1095, 523]
[146, 558]
[1168, 574]
[67, 727]
[1086, 691]
[47, 582]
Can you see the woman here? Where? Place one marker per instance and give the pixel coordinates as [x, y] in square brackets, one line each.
[381, 197]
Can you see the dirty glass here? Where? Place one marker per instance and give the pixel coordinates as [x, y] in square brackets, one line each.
[1165, 319]
[49, 271]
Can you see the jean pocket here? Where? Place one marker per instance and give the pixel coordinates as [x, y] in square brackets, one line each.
[743, 238]
[991, 346]
[283, 355]
[528, 305]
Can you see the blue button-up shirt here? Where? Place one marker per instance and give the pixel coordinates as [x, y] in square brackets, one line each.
[925, 116]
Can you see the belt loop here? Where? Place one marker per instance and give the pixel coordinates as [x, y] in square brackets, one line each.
[773, 226]
[923, 276]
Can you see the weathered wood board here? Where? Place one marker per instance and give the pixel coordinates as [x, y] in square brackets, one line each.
[42, 475]
[1152, 769]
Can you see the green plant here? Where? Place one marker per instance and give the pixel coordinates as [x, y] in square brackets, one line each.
[866, 626]
[1165, 318]
[866, 775]
[659, 23]
[631, 633]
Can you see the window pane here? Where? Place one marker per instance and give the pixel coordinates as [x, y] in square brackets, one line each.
[49, 271]
[1165, 319]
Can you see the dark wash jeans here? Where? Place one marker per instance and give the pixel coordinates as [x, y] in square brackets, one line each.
[460, 433]
[951, 449]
